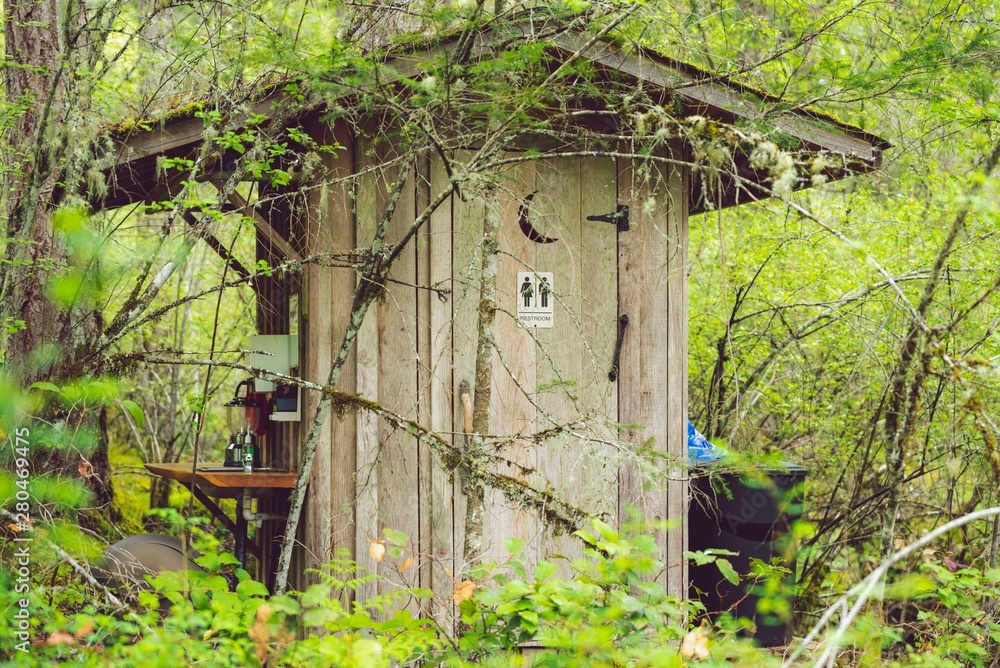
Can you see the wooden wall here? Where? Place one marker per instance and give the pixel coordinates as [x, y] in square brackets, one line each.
[417, 346]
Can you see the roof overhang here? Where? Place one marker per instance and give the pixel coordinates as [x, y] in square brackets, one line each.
[134, 174]
[848, 150]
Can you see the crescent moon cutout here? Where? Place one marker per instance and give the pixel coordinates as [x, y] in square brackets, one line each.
[526, 227]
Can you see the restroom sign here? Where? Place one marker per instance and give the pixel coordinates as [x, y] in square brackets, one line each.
[535, 298]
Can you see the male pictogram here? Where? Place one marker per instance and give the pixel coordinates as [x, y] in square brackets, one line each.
[543, 292]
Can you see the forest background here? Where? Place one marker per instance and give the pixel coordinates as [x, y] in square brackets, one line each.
[850, 327]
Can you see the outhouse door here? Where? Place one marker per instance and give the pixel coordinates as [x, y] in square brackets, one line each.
[562, 420]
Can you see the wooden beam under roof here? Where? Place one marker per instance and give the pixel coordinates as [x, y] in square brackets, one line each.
[213, 242]
[262, 225]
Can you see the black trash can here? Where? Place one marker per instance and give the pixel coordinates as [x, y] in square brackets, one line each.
[750, 515]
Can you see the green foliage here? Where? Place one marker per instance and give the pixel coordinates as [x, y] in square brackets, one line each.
[79, 283]
[609, 613]
[950, 619]
[794, 334]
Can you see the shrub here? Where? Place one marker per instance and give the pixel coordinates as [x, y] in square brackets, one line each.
[611, 612]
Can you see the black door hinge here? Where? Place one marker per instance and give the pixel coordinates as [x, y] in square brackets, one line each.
[619, 218]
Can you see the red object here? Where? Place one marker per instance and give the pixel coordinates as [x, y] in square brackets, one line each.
[950, 563]
[257, 414]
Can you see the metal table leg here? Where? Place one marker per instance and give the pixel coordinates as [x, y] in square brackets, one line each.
[241, 532]
[251, 546]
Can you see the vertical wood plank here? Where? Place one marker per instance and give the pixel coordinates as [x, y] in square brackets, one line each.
[367, 479]
[677, 369]
[340, 203]
[425, 380]
[643, 391]
[319, 238]
[440, 384]
[398, 467]
[557, 359]
[589, 466]
[599, 313]
[511, 405]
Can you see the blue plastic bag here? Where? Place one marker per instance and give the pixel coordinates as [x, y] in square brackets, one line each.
[700, 449]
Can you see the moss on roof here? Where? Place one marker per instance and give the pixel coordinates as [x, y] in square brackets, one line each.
[187, 110]
[696, 73]
[132, 123]
[808, 111]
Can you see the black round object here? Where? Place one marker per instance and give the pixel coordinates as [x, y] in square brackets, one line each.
[752, 517]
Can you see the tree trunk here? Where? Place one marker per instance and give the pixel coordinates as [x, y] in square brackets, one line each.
[31, 40]
[41, 339]
[485, 347]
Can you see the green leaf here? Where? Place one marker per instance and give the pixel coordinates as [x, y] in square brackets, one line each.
[169, 582]
[149, 600]
[285, 604]
[421, 592]
[605, 530]
[489, 598]
[210, 561]
[910, 585]
[529, 621]
[225, 601]
[135, 411]
[513, 546]
[200, 600]
[226, 620]
[74, 541]
[702, 557]
[727, 570]
[216, 583]
[250, 608]
[515, 589]
[69, 220]
[396, 537]
[62, 491]
[318, 616]
[49, 387]
[544, 570]
[251, 588]
[64, 289]
[7, 489]
[316, 595]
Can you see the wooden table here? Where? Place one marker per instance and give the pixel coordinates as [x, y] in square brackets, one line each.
[210, 480]
[233, 478]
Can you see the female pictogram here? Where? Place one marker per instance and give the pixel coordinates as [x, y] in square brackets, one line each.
[527, 292]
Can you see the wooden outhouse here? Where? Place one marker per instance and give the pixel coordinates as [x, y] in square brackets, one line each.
[588, 401]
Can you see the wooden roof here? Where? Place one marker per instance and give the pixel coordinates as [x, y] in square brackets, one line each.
[133, 175]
